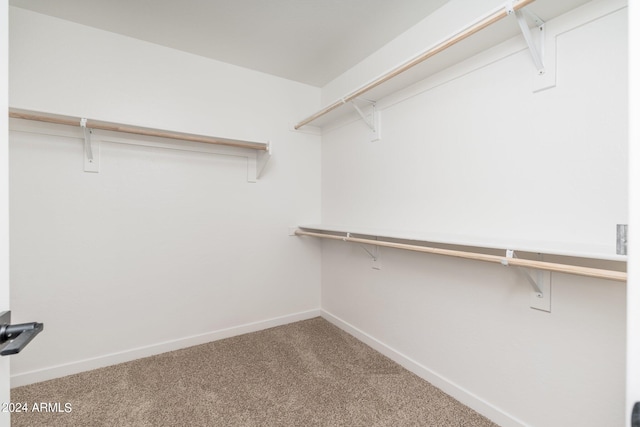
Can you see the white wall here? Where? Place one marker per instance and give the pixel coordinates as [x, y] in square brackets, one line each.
[499, 150]
[162, 248]
[480, 154]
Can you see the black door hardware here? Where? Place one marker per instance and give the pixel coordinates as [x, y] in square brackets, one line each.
[13, 338]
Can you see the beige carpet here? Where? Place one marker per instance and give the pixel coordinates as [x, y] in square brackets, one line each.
[308, 373]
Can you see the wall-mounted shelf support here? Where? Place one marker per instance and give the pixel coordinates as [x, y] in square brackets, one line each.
[541, 284]
[477, 26]
[373, 121]
[374, 253]
[535, 283]
[532, 282]
[510, 254]
[618, 276]
[537, 53]
[87, 139]
[258, 162]
[256, 153]
[540, 298]
[91, 159]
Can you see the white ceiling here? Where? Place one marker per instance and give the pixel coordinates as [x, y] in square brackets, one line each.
[311, 41]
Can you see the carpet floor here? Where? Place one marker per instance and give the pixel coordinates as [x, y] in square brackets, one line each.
[307, 373]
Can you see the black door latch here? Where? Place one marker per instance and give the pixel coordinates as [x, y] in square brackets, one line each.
[13, 338]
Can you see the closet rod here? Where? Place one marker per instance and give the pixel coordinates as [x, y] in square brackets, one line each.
[618, 276]
[472, 29]
[93, 124]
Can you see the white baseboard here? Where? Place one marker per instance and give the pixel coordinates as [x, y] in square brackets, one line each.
[464, 396]
[58, 371]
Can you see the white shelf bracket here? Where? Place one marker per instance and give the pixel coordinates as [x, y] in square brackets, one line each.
[537, 53]
[374, 253]
[511, 254]
[262, 159]
[257, 162]
[373, 121]
[91, 159]
[541, 285]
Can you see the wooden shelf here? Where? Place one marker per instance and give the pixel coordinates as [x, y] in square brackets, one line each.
[257, 153]
[479, 36]
[411, 65]
[135, 130]
[577, 250]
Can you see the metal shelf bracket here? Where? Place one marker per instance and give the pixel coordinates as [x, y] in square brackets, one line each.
[511, 254]
[541, 285]
[537, 53]
[374, 253]
[257, 162]
[91, 159]
[373, 121]
[263, 159]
